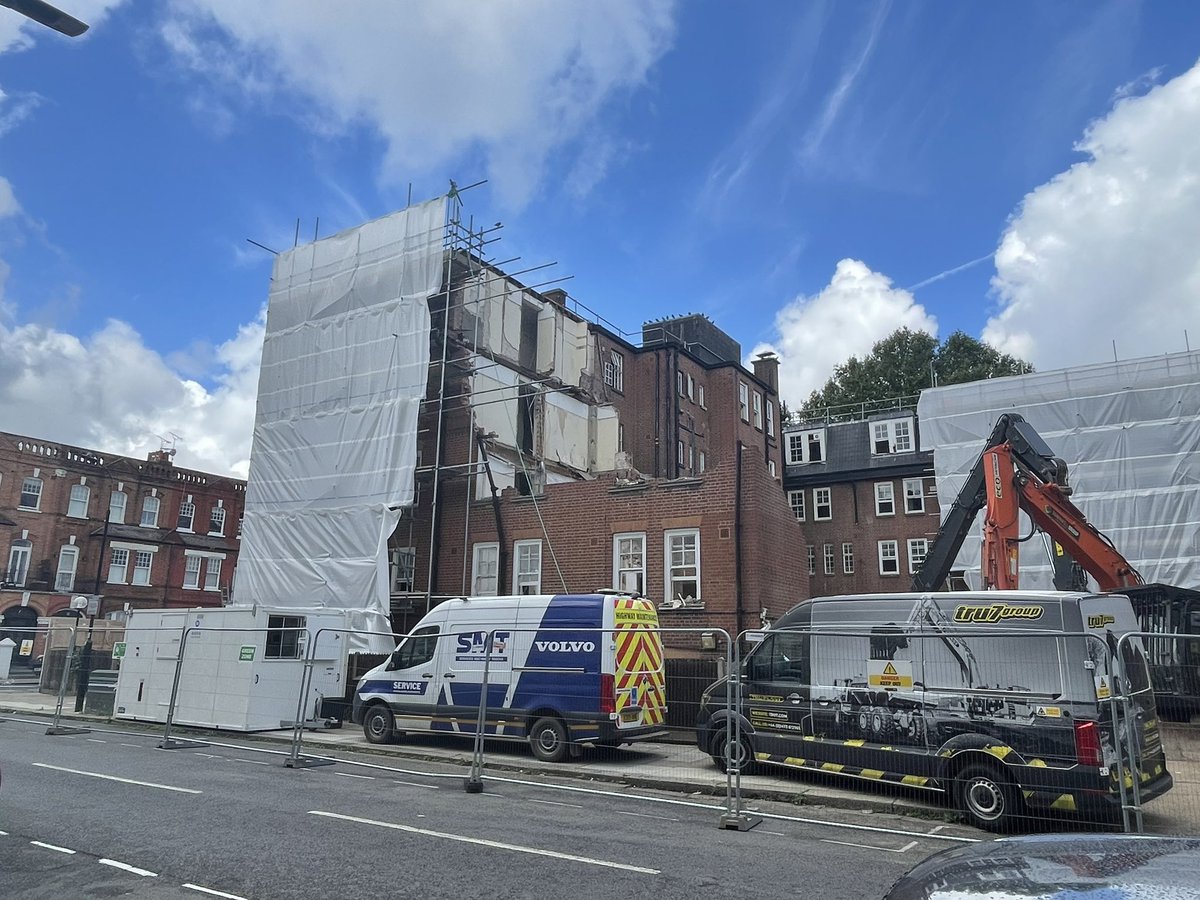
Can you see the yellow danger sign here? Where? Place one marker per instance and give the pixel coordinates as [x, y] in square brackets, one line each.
[1103, 691]
[890, 673]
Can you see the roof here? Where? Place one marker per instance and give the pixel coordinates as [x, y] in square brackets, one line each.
[848, 455]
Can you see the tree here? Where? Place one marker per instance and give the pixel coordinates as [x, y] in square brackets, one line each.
[903, 364]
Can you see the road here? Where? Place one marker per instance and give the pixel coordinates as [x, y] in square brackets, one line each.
[109, 814]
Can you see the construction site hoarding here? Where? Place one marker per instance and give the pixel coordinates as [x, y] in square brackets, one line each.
[344, 370]
[1129, 432]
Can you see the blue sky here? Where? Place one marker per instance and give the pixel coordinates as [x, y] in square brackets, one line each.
[805, 173]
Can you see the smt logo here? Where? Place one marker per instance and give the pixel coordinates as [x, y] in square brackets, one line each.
[473, 646]
[995, 612]
[1100, 621]
[565, 646]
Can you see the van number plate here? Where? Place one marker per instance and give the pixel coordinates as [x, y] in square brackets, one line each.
[631, 714]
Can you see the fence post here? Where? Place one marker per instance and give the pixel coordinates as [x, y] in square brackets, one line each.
[166, 743]
[295, 760]
[62, 689]
[733, 818]
[473, 783]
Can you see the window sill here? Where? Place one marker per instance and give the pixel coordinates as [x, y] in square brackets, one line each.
[882, 515]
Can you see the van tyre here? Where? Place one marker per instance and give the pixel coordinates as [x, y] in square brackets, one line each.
[743, 752]
[548, 739]
[987, 798]
[379, 725]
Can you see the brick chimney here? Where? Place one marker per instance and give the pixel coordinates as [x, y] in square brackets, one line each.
[160, 457]
[766, 368]
[557, 296]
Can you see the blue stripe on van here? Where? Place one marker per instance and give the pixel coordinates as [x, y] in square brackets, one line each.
[553, 649]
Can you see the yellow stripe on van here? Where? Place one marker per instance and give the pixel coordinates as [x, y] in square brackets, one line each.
[871, 773]
[789, 760]
[832, 767]
[915, 780]
[854, 743]
[1064, 802]
[998, 751]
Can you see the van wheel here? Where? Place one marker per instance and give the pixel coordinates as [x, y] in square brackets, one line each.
[548, 739]
[987, 798]
[379, 725]
[743, 753]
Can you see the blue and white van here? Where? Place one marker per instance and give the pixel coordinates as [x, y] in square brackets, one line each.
[564, 670]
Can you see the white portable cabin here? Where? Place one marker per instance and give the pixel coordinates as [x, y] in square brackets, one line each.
[242, 665]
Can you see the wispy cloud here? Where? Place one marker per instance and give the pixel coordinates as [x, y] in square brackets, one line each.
[946, 274]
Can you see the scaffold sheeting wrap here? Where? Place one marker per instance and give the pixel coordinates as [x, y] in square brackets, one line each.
[1130, 434]
[344, 369]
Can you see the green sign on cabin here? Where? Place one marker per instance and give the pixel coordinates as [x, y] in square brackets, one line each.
[246, 654]
[118, 650]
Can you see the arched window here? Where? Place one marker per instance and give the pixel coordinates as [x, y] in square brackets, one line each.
[150, 512]
[31, 494]
[18, 563]
[117, 501]
[216, 524]
[80, 495]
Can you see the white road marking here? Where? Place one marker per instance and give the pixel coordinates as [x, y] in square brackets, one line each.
[903, 849]
[620, 812]
[96, 741]
[776, 833]
[3, 834]
[348, 775]
[163, 787]
[204, 890]
[937, 829]
[253, 762]
[127, 868]
[53, 847]
[556, 803]
[432, 787]
[516, 848]
[134, 746]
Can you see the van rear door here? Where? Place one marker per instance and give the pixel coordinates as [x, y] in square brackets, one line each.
[639, 677]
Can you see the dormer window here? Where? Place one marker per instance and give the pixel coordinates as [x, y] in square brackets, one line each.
[806, 447]
[892, 436]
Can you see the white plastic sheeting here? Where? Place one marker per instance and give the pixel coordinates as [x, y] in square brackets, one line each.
[1130, 434]
[344, 369]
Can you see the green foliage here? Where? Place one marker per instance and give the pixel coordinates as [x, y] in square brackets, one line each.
[903, 364]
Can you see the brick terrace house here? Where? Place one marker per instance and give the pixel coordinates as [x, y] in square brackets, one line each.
[138, 533]
[866, 494]
[567, 457]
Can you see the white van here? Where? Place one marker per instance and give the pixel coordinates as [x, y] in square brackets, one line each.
[564, 670]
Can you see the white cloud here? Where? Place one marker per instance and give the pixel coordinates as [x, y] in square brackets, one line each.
[440, 82]
[1107, 249]
[855, 310]
[110, 392]
[8, 200]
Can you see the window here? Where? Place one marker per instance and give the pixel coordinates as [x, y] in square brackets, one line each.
[118, 563]
[822, 504]
[187, 513]
[485, 565]
[212, 574]
[149, 512]
[758, 423]
[914, 495]
[78, 507]
[68, 561]
[527, 567]
[889, 560]
[892, 436]
[191, 572]
[700, 396]
[806, 447]
[744, 401]
[796, 501]
[614, 372]
[216, 521]
[679, 452]
[682, 564]
[31, 494]
[403, 569]
[142, 560]
[702, 465]
[770, 418]
[691, 388]
[620, 437]
[848, 559]
[829, 559]
[416, 649]
[681, 383]
[117, 502]
[771, 467]
[284, 636]
[782, 656]
[691, 463]
[917, 548]
[885, 498]
[629, 562]
[812, 560]
[18, 562]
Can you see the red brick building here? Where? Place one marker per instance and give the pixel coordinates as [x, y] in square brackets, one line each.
[138, 533]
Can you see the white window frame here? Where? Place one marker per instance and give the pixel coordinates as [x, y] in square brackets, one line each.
[191, 572]
[885, 498]
[918, 549]
[118, 565]
[691, 388]
[757, 407]
[679, 451]
[812, 559]
[212, 573]
[623, 559]
[700, 396]
[827, 553]
[118, 502]
[81, 498]
[847, 558]
[614, 371]
[68, 565]
[402, 569]
[702, 462]
[217, 518]
[800, 446]
[817, 504]
[896, 435]
[771, 468]
[142, 573]
[670, 568]
[479, 566]
[744, 401]
[146, 505]
[20, 556]
[527, 576]
[889, 558]
[680, 382]
[31, 486]
[770, 418]
[797, 507]
[187, 510]
[912, 509]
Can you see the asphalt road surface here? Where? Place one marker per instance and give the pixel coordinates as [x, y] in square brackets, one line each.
[108, 814]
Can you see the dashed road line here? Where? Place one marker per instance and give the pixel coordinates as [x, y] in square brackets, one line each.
[903, 849]
[431, 787]
[126, 867]
[253, 762]
[53, 847]
[213, 893]
[95, 741]
[349, 775]
[555, 803]
[498, 845]
[163, 787]
[776, 833]
[134, 746]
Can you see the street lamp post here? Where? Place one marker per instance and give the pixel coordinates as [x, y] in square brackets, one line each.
[93, 607]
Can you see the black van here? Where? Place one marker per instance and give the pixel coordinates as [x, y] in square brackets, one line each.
[1002, 700]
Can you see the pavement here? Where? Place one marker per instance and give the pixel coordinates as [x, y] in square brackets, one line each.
[675, 765]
